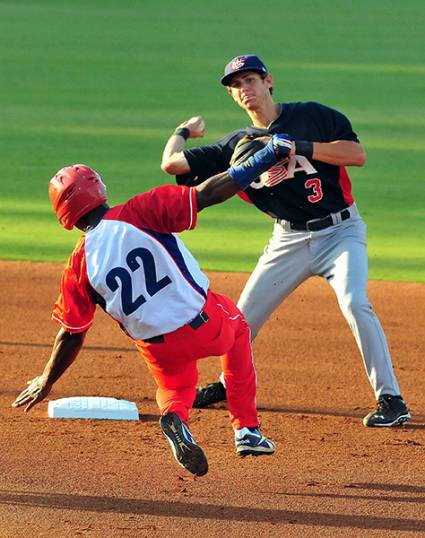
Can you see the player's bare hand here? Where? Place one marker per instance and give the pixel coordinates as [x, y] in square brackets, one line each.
[196, 126]
[36, 391]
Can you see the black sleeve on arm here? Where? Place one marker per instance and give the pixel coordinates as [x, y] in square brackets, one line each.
[332, 124]
[207, 161]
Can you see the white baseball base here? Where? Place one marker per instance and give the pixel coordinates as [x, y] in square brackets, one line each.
[97, 407]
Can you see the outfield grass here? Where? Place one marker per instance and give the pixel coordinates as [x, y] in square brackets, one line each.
[105, 82]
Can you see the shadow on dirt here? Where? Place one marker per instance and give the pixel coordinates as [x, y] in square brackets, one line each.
[90, 348]
[210, 511]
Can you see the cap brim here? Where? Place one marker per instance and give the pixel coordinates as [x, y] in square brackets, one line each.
[227, 78]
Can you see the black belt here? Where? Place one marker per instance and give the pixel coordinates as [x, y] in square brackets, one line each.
[196, 322]
[318, 224]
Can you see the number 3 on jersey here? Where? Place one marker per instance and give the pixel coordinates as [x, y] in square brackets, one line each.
[122, 274]
[316, 185]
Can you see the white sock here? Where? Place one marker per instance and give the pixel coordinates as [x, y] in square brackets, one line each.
[241, 432]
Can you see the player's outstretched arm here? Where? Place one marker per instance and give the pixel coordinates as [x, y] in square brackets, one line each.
[215, 190]
[173, 160]
[223, 186]
[339, 153]
[65, 350]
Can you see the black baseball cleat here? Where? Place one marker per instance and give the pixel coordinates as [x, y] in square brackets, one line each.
[251, 442]
[187, 453]
[390, 411]
[211, 394]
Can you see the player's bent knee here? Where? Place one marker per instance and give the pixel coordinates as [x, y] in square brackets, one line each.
[354, 307]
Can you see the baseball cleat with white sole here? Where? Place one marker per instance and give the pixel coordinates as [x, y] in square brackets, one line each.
[186, 451]
[209, 395]
[251, 442]
[390, 411]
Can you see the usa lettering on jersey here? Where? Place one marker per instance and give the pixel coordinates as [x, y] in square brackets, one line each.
[283, 170]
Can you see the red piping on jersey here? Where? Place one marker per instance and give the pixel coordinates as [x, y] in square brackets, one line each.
[244, 197]
[70, 329]
[345, 184]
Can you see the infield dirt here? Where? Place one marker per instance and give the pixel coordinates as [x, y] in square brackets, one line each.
[329, 477]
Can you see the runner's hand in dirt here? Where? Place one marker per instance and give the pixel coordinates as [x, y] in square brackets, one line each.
[65, 349]
[38, 388]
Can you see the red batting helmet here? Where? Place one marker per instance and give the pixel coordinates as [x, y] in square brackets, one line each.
[74, 191]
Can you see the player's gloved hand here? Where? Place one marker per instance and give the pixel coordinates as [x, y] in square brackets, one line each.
[38, 388]
[256, 132]
[281, 144]
[277, 148]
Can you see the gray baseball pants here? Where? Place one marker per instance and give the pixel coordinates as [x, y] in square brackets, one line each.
[337, 253]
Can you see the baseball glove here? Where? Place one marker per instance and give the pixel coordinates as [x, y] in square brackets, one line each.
[247, 146]
[253, 142]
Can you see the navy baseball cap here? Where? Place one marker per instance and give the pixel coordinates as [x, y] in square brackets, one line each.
[246, 62]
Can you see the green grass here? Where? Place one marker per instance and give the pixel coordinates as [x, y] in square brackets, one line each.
[105, 81]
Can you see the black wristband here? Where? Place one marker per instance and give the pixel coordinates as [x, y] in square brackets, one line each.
[302, 147]
[183, 132]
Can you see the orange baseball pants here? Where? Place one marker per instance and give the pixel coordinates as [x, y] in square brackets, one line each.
[173, 362]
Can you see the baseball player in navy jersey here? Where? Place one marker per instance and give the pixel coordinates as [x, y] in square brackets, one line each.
[131, 263]
[318, 229]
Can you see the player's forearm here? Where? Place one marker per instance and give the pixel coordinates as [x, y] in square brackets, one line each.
[173, 159]
[340, 153]
[65, 350]
[215, 190]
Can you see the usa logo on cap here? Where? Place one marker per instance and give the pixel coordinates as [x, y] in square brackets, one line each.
[238, 62]
[244, 62]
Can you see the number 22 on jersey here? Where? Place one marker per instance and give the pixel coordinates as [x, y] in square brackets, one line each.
[122, 274]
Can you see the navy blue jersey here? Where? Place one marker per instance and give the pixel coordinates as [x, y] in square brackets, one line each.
[310, 189]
